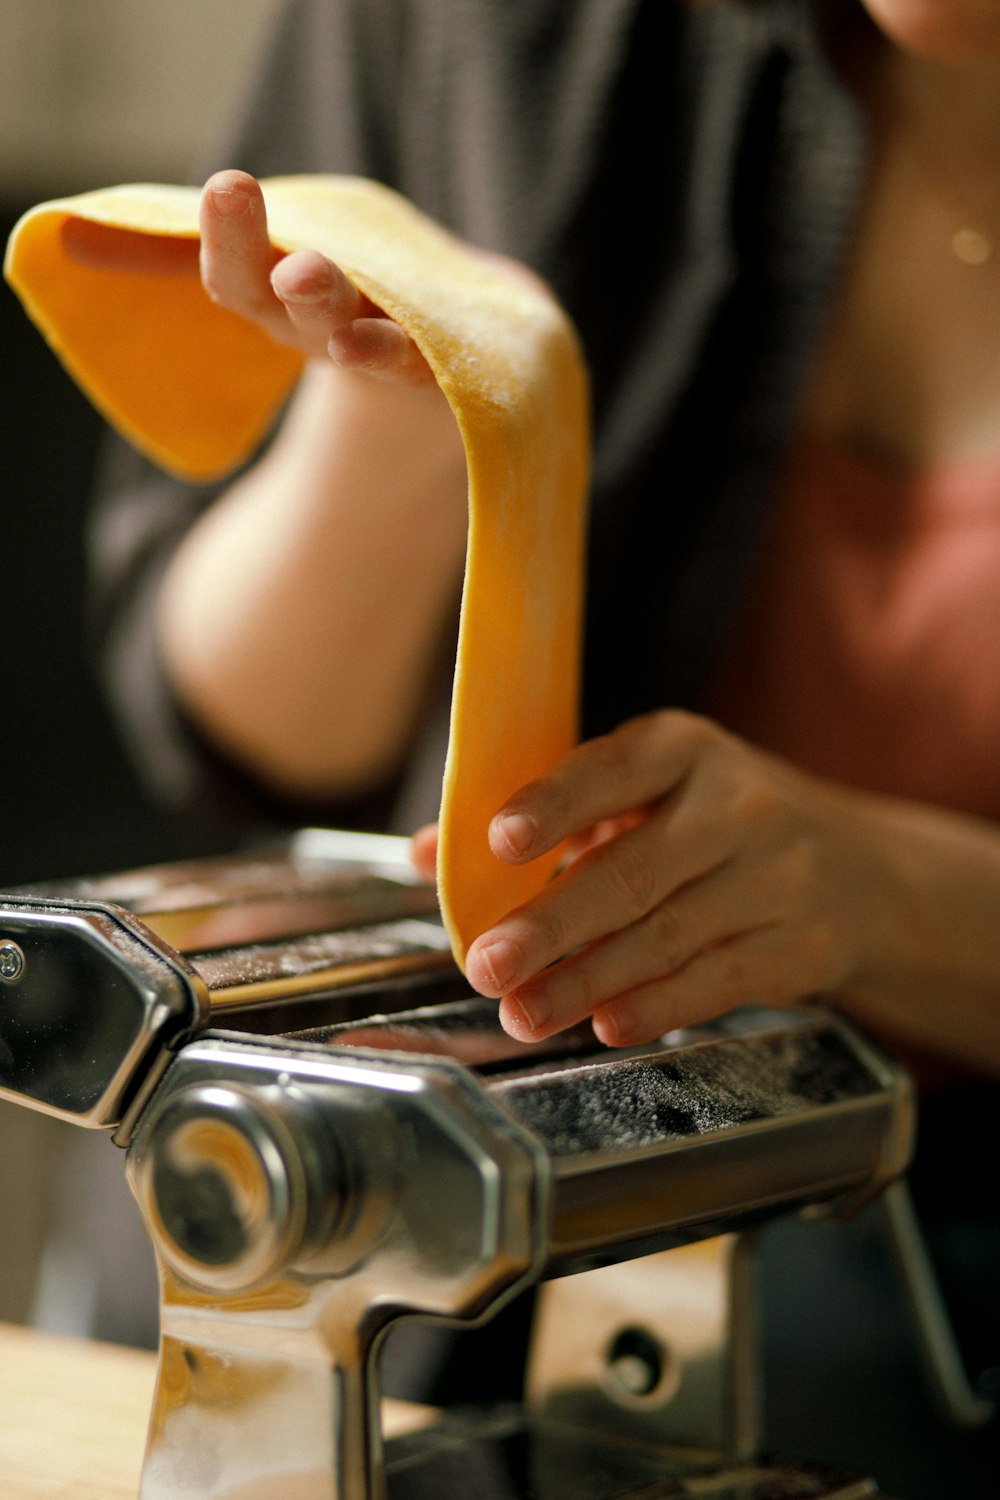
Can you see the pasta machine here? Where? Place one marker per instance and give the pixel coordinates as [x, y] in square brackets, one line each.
[329, 1135]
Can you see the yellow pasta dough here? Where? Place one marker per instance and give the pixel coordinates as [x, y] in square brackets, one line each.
[196, 388]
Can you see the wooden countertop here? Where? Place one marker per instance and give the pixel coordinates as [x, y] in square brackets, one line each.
[73, 1417]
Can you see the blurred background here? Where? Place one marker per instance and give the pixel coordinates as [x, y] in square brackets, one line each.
[90, 94]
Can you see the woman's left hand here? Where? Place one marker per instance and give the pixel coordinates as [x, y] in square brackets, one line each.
[706, 874]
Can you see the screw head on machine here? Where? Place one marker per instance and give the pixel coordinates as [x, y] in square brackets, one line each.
[11, 961]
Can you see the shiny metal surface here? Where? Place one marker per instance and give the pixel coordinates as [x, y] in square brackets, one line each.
[302, 1193]
[503, 1456]
[317, 962]
[11, 962]
[320, 879]
[661, 1143]
[241, 1183]
[112, 972]
[950, 1388]
[97, 997]
[311, 860]
[362, 1142]
[661, 1349]
[267, 1382]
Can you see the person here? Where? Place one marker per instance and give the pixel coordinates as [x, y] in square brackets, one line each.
[776, 225]
[743, 875]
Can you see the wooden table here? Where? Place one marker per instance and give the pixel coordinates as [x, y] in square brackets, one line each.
[73, 1417]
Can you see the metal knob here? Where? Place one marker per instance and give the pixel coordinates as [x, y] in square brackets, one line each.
[236, 1182]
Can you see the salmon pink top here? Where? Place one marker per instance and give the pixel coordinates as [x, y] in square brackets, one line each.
[869, 650]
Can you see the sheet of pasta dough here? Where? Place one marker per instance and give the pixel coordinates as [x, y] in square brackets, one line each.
[196, 387]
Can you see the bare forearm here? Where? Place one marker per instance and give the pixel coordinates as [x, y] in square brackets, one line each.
[300, 618]
[929, 975]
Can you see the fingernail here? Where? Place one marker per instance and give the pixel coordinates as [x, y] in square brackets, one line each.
[516, 832]
[523, 1021]
[499, 959]
[304, 294]
[536, 1012]
[229, 204]
[315, 288]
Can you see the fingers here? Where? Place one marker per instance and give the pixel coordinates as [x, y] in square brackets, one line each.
[612, 887]
[750, 969]
[637, 764]
[316, 298]
[302, 299]
[703, 879]
[694, 921]
[423, 851]
[651, 854]
[379, 347]
[236, 254]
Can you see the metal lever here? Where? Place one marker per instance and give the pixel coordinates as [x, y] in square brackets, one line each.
[949, 1384]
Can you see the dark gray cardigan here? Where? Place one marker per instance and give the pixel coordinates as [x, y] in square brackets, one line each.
[685, 178]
